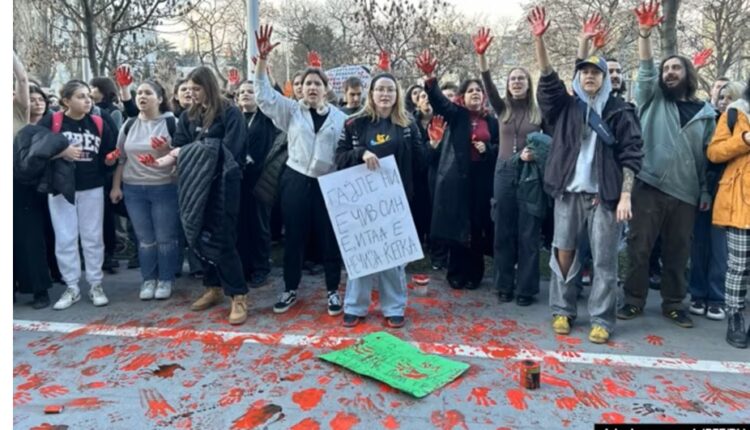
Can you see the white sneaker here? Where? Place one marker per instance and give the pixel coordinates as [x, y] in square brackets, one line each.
[70, 296]
[147, 290]
[716, 313]
[163, 290]
[96, 294]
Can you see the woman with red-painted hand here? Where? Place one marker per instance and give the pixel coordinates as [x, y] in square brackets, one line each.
[313, 128]
[518, 219]
[383, 128]
[150, 191]
[211, 138]
[91, 138]
[463, 187]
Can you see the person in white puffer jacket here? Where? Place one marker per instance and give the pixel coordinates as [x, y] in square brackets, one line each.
[313, 127]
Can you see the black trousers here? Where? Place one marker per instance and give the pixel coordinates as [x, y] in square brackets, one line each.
[30, 269]
[253, 232]
[303, 211]
[517, 238]
[228, 272]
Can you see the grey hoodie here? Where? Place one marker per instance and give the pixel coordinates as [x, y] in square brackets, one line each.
[584, 179]
[138, 142]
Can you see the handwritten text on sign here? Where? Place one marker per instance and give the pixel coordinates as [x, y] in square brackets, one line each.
[371, 218]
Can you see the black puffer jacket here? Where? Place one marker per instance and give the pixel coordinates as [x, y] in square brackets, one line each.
[204, 168]
[33, 149]
[268, 183]
[560, 109]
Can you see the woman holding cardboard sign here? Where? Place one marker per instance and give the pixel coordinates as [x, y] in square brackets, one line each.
[381, 129]
[312, 128]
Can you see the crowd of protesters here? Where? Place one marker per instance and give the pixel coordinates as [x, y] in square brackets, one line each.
[211, 176]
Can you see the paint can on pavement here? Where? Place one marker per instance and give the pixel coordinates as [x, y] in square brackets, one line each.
[530, 374]
[420, 284]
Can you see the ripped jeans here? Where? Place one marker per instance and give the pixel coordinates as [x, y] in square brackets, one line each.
[153, 210]
[575, 212]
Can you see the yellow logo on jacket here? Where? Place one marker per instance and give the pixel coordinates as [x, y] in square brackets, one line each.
[380, 139]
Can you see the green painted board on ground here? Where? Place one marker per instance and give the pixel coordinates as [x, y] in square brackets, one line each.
[389, 359]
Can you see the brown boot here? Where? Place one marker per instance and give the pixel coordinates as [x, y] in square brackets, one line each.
[212, 296]
[238, 315]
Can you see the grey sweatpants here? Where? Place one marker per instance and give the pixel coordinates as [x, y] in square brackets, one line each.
[575, 212]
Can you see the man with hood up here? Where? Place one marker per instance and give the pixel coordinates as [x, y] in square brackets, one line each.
[594, 157]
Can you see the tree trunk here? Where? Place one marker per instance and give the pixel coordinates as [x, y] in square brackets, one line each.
[669, 28]
[90, 35]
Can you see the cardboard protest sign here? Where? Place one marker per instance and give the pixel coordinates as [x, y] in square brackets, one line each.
[338, 75]
[371, 218]
[389, 359]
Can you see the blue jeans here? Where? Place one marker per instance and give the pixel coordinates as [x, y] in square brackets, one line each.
[708, 261]
[153, 211]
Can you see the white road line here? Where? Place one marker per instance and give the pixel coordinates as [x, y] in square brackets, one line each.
[455, 350]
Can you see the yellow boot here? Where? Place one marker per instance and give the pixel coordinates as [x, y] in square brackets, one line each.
[238, 314]
[211, 297]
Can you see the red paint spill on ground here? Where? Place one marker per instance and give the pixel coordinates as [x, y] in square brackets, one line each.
[344, 421]
[50, 350]
[32, 382]
[590, 399]
[95, 384]
[231, 397]
[293, 377]
[156, 403]
[655, 340]
[306, 424]
[86, 403]
[725, 397]
[21, 398]
[566, 403]
[568, 340]
[390, 423]
[479, 395]
[553, 380]
[90, 371]
[167, 370]
[99, 352]
[308, 399]
[554, 364]
[517, 399]
[51, 391]
[88, 328]
[256, 415]
[613, 418]
[449, 420]
[139, 362]
[48, 426]
[616, 390]
[22, 370]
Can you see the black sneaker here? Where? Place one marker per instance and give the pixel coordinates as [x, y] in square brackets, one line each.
[334, 304]
[736, 331]
[40, 302]
[287, 299]
[524, 300]
[395, 322]
[628, 312]
[505, 297]
[697, 307]
[680, 318]
[456, 285]
[352, 320]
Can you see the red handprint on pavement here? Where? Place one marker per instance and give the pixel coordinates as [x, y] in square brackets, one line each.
[479, 396]
[655, 340]
[53, 391]
[156, 403]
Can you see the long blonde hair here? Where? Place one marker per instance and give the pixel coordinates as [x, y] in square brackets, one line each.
[535, 115]
[399, 116]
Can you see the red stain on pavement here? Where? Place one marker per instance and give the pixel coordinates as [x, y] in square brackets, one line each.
[156, 403]
[231, 397]
[32, 382]
[50, 350]
[390, 423]
[22, 370]
[88, 328]
[99, 352]
[344, 421]
[139, 362]
[167, 370]
[51, 391]
[566, 403]
[480, 397]
[568, 340]
[449, 420]
[548, 379]
[499, 350]
[517, 399]
[306, 424]
[257, 414]
[293, 377]
[48, 426]
[308, 399]
[616, 390]
[554, 364]
[21, 398]
[90, 371]
[613, 418]
[94, 385]
[725, 397]
[655, 340]
[88, 403]
[591, 399]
